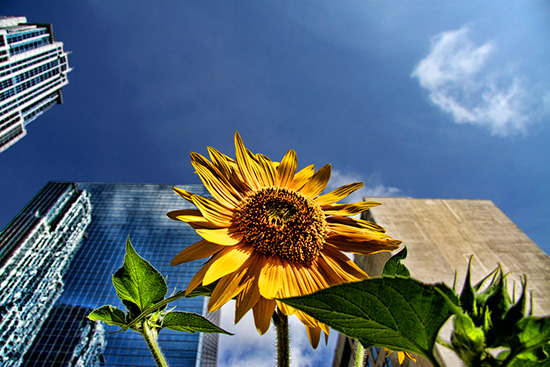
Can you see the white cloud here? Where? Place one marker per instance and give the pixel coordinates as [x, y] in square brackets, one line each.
[455, 73]
[248, 348]
[373, 186]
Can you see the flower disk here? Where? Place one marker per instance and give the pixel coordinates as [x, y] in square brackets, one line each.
[270, 234]
[282, 222]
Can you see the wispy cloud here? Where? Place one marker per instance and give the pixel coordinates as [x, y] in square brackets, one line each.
[248, 348]
[455, 73]
[373, 186]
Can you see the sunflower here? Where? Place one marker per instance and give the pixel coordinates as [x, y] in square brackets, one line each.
[269, 234]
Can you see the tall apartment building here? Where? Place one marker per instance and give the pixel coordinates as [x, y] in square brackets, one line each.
[440, 236]
[57, 258]
[33, 69]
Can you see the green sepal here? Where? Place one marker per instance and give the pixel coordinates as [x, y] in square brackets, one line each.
[517, 311]
[394, 267]
[468, 294]
[137, 282]
[190, 322]
[468, 340]
[110, 314]
[497, 304]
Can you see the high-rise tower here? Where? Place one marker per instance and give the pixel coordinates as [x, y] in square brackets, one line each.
[33, 69]
[57, 258]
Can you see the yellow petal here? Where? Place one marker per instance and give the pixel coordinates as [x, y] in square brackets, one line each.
[245, 162]
[213, 211]
[285, 309]
[280, 278]
[271, 277]
[193, 217]
[338, 194]
[250, 294]
[318, 182]
[228, 260]
[221, 236]
[195, 214]
[196, 251]
[357, 229]
[335, 264]
[263, 311]
[337, 223]
[228, 167]
[197, 279]
[348, 209]
[311, 322]
[314, 334]
[215, 182]
[266, 171]
[362, 243]
[401, 357]
[227, 288]
[221, 161]
[287, 169]
[184, 194]
[302, 177]
[311, 278]
[247, 299]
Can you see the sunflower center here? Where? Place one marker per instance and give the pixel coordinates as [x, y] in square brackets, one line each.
[283, 222]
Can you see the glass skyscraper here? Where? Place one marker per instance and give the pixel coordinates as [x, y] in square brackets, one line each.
[57, 258]
[33, 69]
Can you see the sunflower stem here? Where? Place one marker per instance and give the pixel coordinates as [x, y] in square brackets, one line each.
[283, 350]
[359, 355]
[150, 336]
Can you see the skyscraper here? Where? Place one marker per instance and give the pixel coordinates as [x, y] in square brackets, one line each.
[57, 258]
[33, 69]
[441, 235]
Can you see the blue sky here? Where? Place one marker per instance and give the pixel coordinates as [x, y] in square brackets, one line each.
[423, 99]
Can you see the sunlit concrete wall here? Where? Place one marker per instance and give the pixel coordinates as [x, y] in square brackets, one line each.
[442, 234]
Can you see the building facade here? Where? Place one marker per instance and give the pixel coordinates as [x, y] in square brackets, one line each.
[58, 257]
[441, 235]
[33, 70]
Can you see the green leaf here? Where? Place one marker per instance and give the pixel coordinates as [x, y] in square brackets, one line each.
[133, 309]
[396, 313]
[394, 266]
[110, 314]
[190, 322]
[138, 282]
[533, 337]
[528, 363]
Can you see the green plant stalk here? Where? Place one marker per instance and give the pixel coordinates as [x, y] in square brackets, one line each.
[359, 355]
[283, 341]
[150, 336]
[155, 307]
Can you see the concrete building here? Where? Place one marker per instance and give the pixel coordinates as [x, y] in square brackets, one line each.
[33, 69]
[441, 235]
